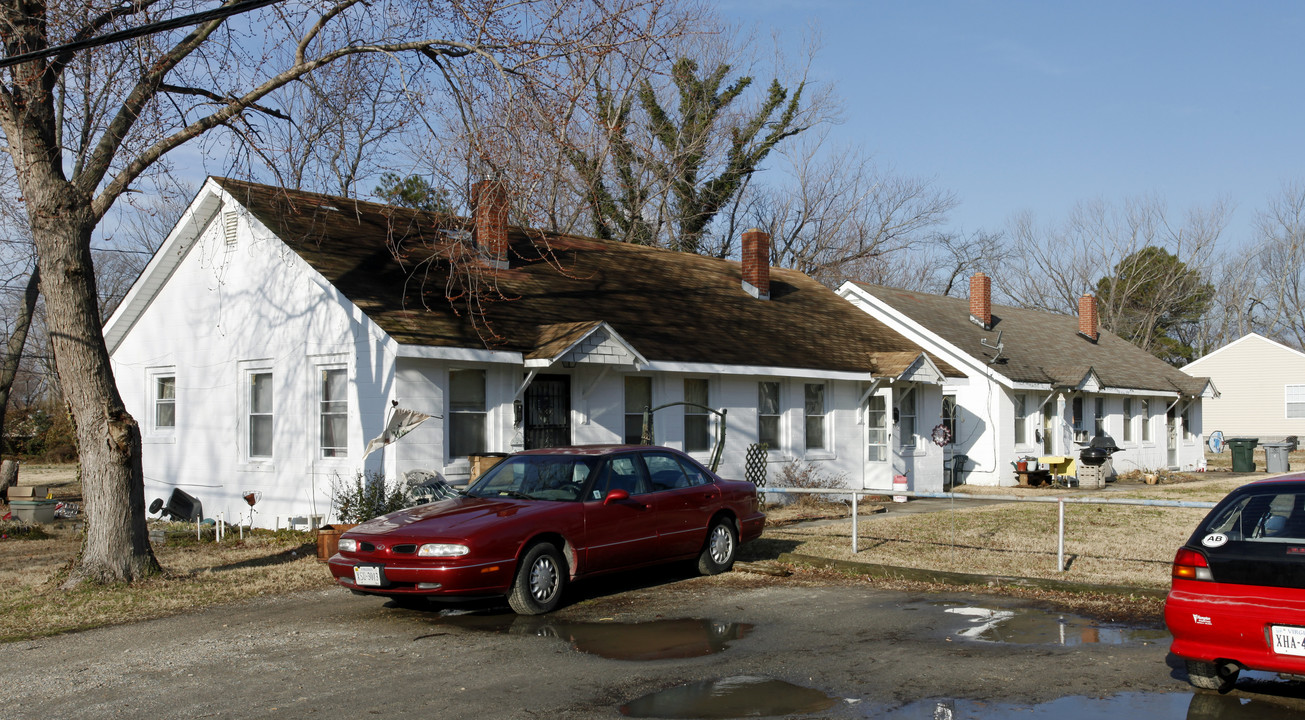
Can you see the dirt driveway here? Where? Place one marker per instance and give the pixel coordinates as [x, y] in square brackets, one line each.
[330, 654]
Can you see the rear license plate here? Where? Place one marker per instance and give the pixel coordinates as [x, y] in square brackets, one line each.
[369, 575]
[1288, 640]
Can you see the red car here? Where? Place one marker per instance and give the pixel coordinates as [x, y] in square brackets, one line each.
[542, 518]
[1238, 595]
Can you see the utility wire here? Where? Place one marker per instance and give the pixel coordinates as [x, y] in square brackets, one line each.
[148, 29]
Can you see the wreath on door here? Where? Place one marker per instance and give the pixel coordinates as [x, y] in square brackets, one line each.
[942, 434]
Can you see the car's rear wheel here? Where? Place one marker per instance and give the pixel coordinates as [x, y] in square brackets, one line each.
[722, 544]
[541, 577]
[1206, 675]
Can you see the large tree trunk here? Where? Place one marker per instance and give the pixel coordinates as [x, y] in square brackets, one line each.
[116, 546]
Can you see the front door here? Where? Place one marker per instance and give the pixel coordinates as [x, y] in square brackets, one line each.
[548, 412]
[878, 472]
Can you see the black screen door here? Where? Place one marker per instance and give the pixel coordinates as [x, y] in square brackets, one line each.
[548, 412]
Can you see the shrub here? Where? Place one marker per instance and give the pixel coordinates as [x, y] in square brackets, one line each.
[797, 474]
[366, 497]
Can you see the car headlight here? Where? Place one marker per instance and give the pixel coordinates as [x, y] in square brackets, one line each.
[348, 545]
[442, 550]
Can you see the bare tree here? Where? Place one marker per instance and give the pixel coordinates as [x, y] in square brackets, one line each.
[837, 214]
[1279, 261]
[1051, 266]
[83, 127]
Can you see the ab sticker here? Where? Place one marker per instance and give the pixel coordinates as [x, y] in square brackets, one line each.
[1214, 540]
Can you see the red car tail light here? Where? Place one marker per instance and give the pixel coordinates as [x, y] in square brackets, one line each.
[1191, 565]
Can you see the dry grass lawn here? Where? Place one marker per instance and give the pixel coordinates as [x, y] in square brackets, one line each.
[197, 575]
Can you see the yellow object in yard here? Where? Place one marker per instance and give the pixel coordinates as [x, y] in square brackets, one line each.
[1059, 464]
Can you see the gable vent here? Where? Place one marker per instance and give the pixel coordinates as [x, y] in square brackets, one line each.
[229, 220]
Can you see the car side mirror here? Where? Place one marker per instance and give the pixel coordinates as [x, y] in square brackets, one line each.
[615, 495]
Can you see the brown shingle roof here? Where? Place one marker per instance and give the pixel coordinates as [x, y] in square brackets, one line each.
[669, 306]
[1037, 346]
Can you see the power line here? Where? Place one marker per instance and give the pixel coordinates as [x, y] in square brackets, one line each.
[148, 29]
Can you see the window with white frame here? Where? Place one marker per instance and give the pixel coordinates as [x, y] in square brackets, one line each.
[815, 413]
[697, 421]
[333, 410]
[1076, 415]
[638, 397]
[1145, 413]
[1021, 419]
[1188, 435]
[467, 413]
[768, 414]
[1294, 396]
[165, 402]
[261, 414]
[949, 417]
[1099, 416]
[906, 413]
[876, 420]
[1128, 420]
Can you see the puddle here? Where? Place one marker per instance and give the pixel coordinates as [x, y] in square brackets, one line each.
[731, 697]
[655, 640]
[1153, 706]
[1024, 626]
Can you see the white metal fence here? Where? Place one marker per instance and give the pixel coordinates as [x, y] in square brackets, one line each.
[1060, 502]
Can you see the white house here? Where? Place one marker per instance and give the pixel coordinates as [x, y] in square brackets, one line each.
[266, 340]
[1040, 384]
[1261, 385]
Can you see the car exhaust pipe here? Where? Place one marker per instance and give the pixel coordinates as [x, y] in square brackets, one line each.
[1228, 668]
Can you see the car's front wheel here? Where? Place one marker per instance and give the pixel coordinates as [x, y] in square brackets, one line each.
[722, 544]
[541, 576]
[1206, 675]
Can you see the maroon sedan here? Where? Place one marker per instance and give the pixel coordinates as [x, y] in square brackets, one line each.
[542, 518]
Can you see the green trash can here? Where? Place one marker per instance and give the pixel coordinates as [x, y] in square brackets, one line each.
[1243, 453]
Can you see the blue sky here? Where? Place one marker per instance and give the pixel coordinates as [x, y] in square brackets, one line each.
[1037, 105]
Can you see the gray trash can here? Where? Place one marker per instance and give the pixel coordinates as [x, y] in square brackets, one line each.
[1275, 456]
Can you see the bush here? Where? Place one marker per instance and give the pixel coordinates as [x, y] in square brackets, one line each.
[796, 474]
[19, 530]
[366, 497]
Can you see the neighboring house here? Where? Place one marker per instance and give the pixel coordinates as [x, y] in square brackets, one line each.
[1041, 384]
[1261, 385]
[266, 340]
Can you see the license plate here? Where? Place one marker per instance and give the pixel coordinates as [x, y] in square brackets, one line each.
[367, 575]
[1288, 640]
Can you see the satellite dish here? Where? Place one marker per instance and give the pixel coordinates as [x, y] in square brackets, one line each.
[1216, 441]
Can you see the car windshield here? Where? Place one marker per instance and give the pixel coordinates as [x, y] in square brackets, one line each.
[1261, 517]
[536, 477]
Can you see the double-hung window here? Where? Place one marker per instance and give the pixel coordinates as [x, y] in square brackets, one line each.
[815, 412]
[697, 425]
[467, 414]
[1099, 416]
[768, 414]
[1294, 397]
[906, 418]
[638, 397]
[1146, 420]
[1021, 419]
[1128, 420]
[165, 403]
[333, 405]
[261, 414]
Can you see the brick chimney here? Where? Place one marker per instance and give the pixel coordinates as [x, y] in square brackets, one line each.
[756, 263]
[1087, 317]
[981, 300]
[489, 198]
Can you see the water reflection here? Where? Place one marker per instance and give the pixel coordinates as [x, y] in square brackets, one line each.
[1031, 627]
[731, 697]
[653, 640]
[1153, 706]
